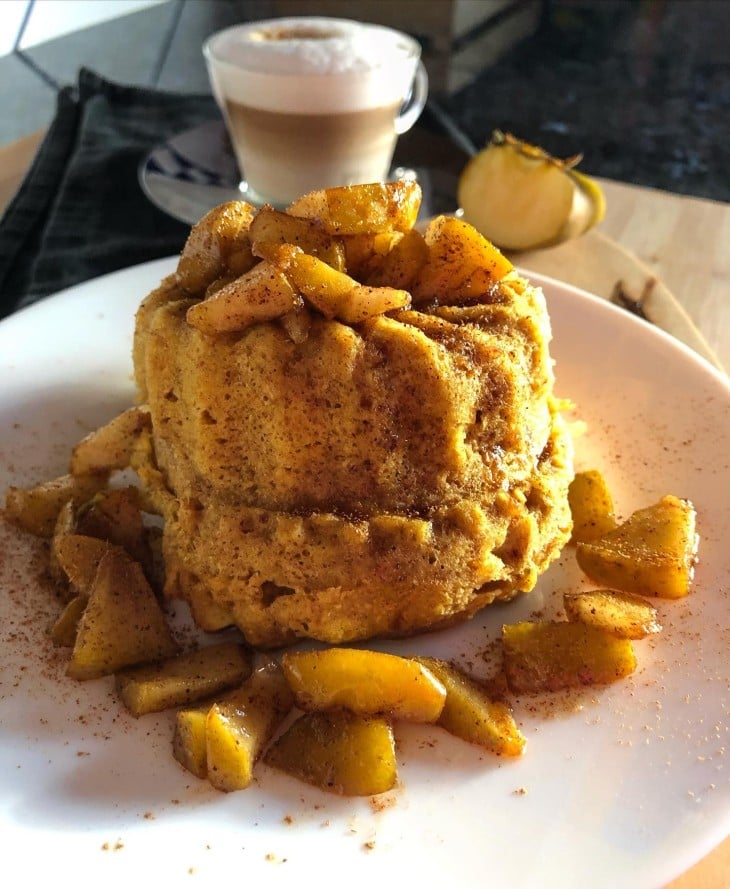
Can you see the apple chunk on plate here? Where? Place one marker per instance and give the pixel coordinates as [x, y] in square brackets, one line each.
[365, 682]
[338, 752]
[122, 624]
[652, 553]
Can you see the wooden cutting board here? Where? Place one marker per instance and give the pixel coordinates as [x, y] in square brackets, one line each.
[596, 263]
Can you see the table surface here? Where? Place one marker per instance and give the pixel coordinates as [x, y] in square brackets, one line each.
[683, 241]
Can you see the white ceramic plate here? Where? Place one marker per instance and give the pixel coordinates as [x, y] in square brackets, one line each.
[626, 785]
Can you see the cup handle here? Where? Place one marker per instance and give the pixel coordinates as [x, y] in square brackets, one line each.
[414, 104]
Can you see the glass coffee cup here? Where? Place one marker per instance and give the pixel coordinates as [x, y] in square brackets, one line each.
[314, 102]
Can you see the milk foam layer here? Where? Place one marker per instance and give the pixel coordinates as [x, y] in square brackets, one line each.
[353, 66]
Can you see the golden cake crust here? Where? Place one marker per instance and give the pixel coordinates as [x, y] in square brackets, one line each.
[372, 480]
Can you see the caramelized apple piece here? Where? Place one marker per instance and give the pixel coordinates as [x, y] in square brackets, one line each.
[324, 287]
[36, 509]
[471, 714]
[591, 506]
[122, 624]
[189, 743]
[217, 245]
[239, 727]
[110, 446]
[367, 302]
[625, 615]
[401, 266]
[548, 656]
[335, 294]
[115, 514]
[364, 682]
[652, 553]
[364, 253]
[78, 557]
[64, 525]
[65, 627]
[355, 209]
[270, 228]
[462, 267]
[182, 679]
[338, 752]
[262, 294]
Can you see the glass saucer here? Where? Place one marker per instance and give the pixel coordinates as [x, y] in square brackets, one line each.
[196, 170]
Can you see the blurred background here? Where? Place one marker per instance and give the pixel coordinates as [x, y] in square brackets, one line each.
[641, 87]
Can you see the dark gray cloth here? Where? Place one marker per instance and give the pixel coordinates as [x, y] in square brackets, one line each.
[80, 211]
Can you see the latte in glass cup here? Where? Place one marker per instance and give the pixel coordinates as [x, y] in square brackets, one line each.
[314, 102]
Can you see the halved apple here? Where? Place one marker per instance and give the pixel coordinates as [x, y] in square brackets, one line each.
[520, 197]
